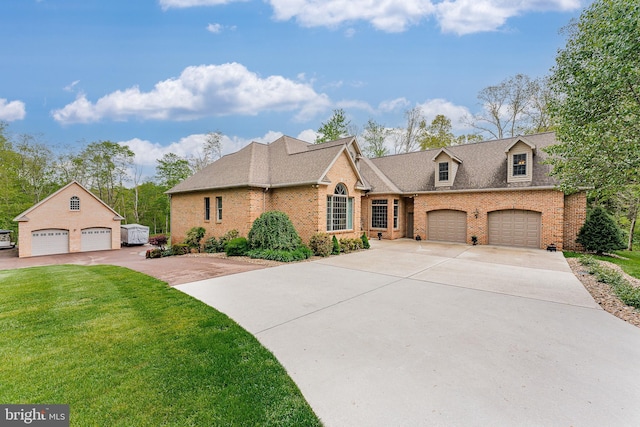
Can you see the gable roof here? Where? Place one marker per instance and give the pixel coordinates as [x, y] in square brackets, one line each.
[483, 166]
[285, 162]
[448, 153]
[24, 215]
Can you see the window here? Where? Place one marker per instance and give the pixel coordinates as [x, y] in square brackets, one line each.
[379, 214]
[219, 208]
[443, 171]
[207, 209]
[395, 213]
[339, 210]
[74, 203]
[519, 164]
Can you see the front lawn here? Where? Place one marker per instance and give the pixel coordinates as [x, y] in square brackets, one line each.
[122, 348]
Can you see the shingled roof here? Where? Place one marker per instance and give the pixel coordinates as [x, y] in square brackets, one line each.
[483, 166]
[285, 162]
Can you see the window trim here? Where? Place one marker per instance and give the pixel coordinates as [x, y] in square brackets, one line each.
[441, 171]
[219, 208]
[207, 208]
[384, 216]
[396, 210]
[339, 210]
[519, 164]
[74, 203]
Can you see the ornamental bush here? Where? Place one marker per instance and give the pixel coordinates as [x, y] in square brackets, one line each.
[336, 246]
[273, 230]
[600, 233]
[180, 249]
[194, 236]
[211, 245]
[348, 245]
[160, 241]
[236, 247]
[365, 241]
[226, 237]
[320, 244]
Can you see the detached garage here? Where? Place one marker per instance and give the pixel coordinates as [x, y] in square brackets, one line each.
[514, 227]
[70, 220]
[447, 225]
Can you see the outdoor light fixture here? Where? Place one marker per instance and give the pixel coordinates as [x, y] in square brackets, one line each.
[476, 213]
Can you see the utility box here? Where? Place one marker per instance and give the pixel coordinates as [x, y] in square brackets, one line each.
[134, 234]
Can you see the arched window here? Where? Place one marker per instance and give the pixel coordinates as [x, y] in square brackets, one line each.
[74, 203]
[339, 209]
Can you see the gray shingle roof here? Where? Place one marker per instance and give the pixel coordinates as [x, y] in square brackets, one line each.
[484, 166]
[285, 162]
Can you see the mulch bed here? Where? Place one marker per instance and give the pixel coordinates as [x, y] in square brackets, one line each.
[603, 294]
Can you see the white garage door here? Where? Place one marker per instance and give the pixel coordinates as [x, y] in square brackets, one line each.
[447, 226]
[49, 242]
[514, 227]
[95, 239]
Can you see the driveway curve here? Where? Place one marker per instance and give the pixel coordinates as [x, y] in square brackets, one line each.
[418, 333]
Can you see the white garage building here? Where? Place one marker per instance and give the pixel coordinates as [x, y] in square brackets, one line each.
[70, 220]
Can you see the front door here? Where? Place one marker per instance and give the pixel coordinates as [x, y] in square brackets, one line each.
[409, 233]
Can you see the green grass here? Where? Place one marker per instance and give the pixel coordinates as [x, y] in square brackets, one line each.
[122, 348]
[628, 294]
[629, 261]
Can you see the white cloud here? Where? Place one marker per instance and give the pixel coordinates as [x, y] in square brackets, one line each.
[180, 4]
[12, 110]
[71, 86]
[431, 108]
[214, 28]
[200, 91]
[308, 135]
[393, 105]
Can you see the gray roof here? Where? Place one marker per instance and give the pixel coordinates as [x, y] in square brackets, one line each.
[285, 162]
[484, 166]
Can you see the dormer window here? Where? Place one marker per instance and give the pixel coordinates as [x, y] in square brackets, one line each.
[74, 203]
[443, 171]
[519, 164]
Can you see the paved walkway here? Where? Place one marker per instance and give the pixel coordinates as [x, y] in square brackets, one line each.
[415, 333]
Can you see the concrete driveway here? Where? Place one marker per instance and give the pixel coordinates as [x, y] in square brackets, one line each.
[426, 334]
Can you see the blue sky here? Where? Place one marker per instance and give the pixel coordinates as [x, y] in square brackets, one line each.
[159, 74]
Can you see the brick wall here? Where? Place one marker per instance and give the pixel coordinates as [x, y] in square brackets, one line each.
[575, 214]
[54, 213]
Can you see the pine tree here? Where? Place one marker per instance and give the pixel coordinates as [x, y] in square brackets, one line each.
[600, 233]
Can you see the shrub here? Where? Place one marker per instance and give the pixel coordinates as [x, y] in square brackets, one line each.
[299, 254]
[211, 245]
[273, 230]
[627, 293]
[600, 233]
[320, 244]
[347, 245]
[236, 247]
[365, 241]
[335, 246]
[180, 249]
[226, 237]
[153, 253]
[194, 236]
[160, 241]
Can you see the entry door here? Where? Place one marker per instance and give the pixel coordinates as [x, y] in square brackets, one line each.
[409, 225]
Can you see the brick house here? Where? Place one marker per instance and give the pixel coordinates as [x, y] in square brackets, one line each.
[70, 220]
[498, 191]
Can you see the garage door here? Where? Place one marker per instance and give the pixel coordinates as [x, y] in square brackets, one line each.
[514, 228]
[95, 239]
[447, 226]
[49, 242]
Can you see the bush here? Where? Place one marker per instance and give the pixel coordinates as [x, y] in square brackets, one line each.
[600, 233]
[180, 249]
[211, 245]
[335, 246]
[365, 241]
[273, 230]
[236, 247]
[299, 254]
[628, 294]
[194, 236]
[226, 237]
[160, 241]
[348, 245]
[320, 244]
[153, 253]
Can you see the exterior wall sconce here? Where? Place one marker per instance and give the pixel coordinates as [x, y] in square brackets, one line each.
[476, 213]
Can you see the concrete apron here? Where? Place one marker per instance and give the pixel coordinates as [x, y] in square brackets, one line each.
[420, 333]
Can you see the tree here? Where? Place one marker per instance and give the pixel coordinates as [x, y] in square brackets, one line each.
[210, 152]
[596, 102]
[375, 136]
[600, 233]
[517, 105]
[335, 128]
[36, 168]
[12, 199]
[408, 139]
[438, 134]
[172, 169]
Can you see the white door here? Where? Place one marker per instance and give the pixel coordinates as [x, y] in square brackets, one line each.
[95, 239]
[50, 241]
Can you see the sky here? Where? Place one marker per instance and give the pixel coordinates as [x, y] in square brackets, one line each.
[157, 75]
